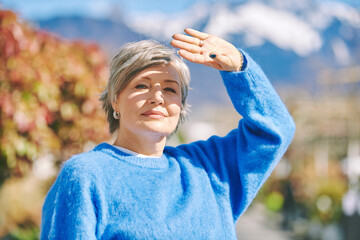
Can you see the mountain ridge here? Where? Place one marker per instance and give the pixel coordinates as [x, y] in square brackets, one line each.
[285, 66]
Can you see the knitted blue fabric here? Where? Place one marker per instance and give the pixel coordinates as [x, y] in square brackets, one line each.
[193, 191]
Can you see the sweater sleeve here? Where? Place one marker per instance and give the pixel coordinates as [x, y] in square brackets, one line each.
[239, 163]
[68, 211]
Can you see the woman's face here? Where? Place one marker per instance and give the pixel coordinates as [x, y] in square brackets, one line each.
[151, 102]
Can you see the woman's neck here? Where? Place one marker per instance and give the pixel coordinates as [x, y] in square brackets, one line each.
[147, 144]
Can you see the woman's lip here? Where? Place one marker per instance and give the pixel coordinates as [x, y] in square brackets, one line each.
[154, 114]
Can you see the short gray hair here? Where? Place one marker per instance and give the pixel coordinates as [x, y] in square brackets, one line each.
[133, 58]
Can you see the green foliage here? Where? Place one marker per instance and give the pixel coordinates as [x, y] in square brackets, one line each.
[326, 204]
[23, 234]
[274, 201]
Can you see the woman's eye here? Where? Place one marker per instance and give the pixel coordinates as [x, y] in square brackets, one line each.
[140, 86]
[170, 90]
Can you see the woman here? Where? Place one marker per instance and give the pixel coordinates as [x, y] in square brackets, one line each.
[139, 189]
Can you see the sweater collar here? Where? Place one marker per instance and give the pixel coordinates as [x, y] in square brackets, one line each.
[152, 162]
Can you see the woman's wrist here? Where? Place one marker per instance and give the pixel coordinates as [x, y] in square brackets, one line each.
[240, 68]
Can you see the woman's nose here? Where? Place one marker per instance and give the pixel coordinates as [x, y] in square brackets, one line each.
[157, 97]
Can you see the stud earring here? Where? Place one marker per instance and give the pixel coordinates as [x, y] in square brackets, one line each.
[116, 115]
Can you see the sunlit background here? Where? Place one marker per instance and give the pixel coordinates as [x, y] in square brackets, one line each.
[54, 59]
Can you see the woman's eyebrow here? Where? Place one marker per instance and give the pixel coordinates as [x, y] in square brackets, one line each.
[167, 80]
[146, 78]
[172, 81]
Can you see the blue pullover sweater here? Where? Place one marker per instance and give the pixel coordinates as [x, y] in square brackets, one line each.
[193, 191]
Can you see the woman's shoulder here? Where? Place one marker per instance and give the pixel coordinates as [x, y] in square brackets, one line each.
[87, 162]
[207, 145]
[175, 152]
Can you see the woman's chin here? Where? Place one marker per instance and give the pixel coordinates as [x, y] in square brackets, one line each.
[161, 126]
[157, 128]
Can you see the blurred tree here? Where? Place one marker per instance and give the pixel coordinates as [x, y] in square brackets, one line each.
[49, 90]
[319, 172]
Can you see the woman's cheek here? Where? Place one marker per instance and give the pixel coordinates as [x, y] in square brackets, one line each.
[175, 109]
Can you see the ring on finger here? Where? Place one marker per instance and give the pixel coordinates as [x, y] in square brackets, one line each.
[201, 43]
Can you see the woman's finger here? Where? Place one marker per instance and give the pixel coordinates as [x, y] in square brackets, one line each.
[216, 53]
[186, 46]
[197, 34]
[187, 39]
[222, 60]
[192, 57]
[227, 63]
[198, 58]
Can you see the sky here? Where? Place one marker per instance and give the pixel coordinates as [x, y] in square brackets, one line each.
[43, 9]
[38, 9]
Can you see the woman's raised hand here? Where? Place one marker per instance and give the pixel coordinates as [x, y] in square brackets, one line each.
[208, 49]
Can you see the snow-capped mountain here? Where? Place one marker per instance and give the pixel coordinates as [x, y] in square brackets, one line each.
[290, 25]
[292, 40]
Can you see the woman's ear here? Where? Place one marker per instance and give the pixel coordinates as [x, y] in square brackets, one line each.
[116, 113]
[114, 104]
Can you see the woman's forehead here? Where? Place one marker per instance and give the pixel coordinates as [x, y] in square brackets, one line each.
[166, 72]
